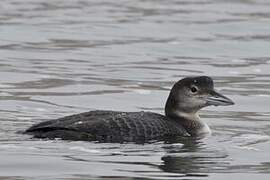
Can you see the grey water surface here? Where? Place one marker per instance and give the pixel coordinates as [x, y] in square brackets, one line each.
[63, 57]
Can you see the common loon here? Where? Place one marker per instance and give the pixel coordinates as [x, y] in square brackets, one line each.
[186, 98]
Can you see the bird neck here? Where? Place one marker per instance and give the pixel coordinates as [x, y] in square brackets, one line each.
[189, 120]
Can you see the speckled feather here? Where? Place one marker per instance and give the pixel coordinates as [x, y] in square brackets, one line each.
[109, 126]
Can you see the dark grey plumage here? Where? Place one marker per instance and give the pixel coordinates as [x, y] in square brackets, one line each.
[186, 98]
[109, 126]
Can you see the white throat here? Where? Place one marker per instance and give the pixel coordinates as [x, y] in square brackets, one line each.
[188, 116]
[195, 118]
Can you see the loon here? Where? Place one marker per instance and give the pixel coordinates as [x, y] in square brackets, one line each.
[181, 118]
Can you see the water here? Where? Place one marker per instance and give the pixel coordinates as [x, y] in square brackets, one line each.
[69, 56]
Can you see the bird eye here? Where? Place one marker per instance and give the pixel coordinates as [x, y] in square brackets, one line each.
[193, 89]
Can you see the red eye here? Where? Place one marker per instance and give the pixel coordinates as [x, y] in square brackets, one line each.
[193, 89]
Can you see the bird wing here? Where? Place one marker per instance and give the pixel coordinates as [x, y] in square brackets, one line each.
[110, 126]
